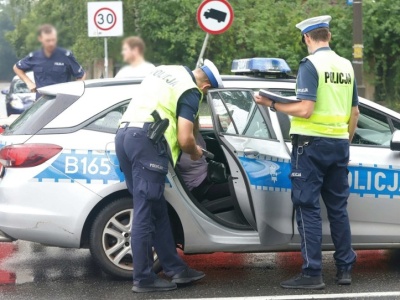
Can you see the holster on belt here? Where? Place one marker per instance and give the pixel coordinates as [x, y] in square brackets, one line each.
[157, 129]
[301, 140]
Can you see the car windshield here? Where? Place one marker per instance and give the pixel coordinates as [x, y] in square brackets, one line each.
[20, 87]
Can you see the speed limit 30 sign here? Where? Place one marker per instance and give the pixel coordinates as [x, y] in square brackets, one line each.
[105, 19]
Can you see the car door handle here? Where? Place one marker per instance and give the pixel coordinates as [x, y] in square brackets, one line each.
[250, 152]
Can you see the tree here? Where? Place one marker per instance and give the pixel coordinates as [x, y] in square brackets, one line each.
[7, 54]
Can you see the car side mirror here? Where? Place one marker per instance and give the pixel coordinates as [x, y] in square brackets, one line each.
[5, 91]
[395, 142]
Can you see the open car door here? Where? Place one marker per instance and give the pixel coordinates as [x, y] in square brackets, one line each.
[259, 163]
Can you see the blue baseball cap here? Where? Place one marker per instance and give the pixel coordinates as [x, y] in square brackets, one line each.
[212, 73]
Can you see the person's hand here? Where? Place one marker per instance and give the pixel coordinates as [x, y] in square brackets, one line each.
[32, 87]
[263, 100]
[197, 155]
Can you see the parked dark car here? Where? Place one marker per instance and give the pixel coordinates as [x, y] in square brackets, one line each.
[18, 97]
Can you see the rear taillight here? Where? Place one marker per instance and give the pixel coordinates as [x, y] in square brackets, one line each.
[1, 129]
[27, 155]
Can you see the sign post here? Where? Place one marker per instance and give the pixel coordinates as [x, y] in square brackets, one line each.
[214, 17]
[105, 19]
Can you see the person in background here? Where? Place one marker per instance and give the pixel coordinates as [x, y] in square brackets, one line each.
[133, 49]
[51, 64]
[194, 174]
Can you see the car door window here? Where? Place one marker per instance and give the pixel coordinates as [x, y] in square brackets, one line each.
[109, 121]
[238, 114]
[373, 128]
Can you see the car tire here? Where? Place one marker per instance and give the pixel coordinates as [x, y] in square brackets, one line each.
[108, 233]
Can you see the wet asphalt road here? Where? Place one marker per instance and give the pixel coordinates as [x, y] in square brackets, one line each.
[31, 271]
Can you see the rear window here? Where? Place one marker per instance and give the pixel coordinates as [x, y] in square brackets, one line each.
[41, 113]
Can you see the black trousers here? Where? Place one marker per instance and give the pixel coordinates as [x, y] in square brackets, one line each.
[211, 191]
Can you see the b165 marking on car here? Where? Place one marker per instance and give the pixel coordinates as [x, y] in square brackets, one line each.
[88, 165]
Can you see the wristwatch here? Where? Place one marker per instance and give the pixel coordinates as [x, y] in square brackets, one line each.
[272, 107]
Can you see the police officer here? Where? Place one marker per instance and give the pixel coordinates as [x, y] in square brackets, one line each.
[323, 123]
[51, 64]
[174, 93]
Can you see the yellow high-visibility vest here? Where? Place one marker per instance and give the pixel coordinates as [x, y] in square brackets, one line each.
[161, 91]
[334, 98]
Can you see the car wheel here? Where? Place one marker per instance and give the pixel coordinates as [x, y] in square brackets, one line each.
[110, 242]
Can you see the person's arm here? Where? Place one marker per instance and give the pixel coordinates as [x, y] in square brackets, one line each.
[303, 109]
[20, 69]
[186, 139]
[307, 85]
[354, 113]
[353, 122]
[75, 68]
[188, 106]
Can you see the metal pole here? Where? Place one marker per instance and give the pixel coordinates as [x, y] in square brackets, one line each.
[105, 58]
[358, 46]
[203, 49]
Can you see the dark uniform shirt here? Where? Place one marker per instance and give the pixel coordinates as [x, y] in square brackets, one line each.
[60, 67]
[307, 81]
[188, 103]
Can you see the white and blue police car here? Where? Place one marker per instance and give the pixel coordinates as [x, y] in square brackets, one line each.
[60, 183]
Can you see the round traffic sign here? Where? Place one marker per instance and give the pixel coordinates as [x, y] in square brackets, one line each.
[215, 16]
[105, 18]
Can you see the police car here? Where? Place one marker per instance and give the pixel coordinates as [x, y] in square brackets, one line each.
[61, 184]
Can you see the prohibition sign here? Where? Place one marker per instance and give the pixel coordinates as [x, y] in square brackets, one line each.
[105, 19]
[215, 16]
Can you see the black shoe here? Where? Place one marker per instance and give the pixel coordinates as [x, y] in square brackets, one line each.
[187, 276]
[303, 281]
[159, 285]
[343, 277]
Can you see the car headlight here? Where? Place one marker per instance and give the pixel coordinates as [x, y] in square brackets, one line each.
[16, 102]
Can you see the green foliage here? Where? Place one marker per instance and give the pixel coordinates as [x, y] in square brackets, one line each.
[261, 28]
[382, 47]
[7, 55]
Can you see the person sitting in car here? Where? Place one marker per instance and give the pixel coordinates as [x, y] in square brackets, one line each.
[195, 174]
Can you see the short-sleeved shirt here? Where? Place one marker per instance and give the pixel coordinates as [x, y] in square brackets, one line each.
[188, 103]
[140, 70]
[307, 81]
[60, 67]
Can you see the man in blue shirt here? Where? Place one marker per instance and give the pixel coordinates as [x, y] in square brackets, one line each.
[51, 64]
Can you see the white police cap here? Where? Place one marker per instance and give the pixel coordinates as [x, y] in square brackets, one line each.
[212, 73]
[314, 23]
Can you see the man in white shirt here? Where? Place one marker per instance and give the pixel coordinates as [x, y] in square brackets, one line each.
[133, 49]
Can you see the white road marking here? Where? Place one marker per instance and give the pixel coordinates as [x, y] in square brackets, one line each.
[316, 296]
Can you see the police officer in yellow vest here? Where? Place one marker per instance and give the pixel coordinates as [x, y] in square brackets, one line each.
[323, 123]
[159, 122]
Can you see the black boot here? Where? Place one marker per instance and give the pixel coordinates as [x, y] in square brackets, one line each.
[343, 277]
[303, 281]
[188, 275]
[159, 285]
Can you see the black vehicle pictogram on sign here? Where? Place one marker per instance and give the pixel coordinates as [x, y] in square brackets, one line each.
[215, 14]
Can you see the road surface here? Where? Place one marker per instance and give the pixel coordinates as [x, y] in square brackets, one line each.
[31, 271]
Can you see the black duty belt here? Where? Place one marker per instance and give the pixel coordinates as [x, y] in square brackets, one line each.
[301, 140]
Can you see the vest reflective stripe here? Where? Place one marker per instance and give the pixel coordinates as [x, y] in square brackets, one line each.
[328, 119]
[327, 131]
[161, 91]
[334, 98]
